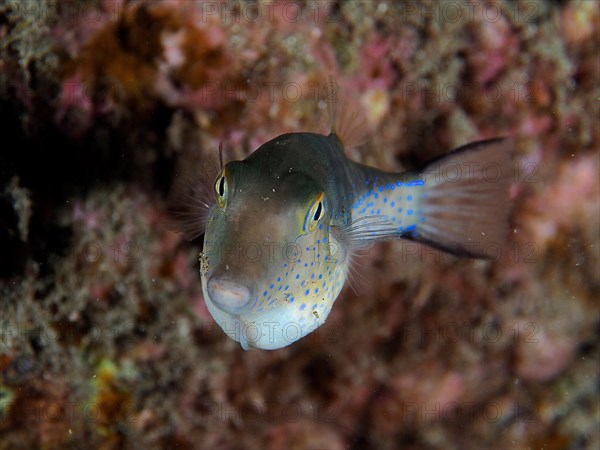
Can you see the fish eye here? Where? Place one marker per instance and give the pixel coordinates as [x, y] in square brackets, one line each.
[221, 189]
[318, 211]
[315, 213]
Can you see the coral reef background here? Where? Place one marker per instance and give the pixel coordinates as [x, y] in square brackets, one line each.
[105, 341]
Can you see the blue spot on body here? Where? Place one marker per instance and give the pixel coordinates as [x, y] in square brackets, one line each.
[409, 212]
[265, 294]
[409, 198]
[297, 276]
[307, 292]
[302, 306]
[380, 188]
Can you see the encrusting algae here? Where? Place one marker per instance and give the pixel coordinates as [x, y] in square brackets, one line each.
[106, 104]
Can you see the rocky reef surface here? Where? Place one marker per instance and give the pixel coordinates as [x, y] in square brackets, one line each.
[105, 340]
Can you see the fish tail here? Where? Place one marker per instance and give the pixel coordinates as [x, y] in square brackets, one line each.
[465, 203]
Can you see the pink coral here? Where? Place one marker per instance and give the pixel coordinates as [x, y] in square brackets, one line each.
[542, 355]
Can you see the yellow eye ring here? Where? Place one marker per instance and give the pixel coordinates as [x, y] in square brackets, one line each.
[314, 214]
[221, 189]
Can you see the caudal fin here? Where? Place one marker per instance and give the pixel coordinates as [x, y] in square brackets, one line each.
[466, 199]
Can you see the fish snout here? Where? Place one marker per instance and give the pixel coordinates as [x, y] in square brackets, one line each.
[228, 295]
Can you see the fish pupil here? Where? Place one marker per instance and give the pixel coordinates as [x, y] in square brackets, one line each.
[221, 186]
[317, 215]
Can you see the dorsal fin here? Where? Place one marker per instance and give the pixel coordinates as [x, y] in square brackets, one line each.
[346, 115]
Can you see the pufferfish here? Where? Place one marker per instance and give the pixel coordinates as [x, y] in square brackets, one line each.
[282, 225]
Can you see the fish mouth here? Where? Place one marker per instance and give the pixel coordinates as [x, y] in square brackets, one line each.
[228, 295]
